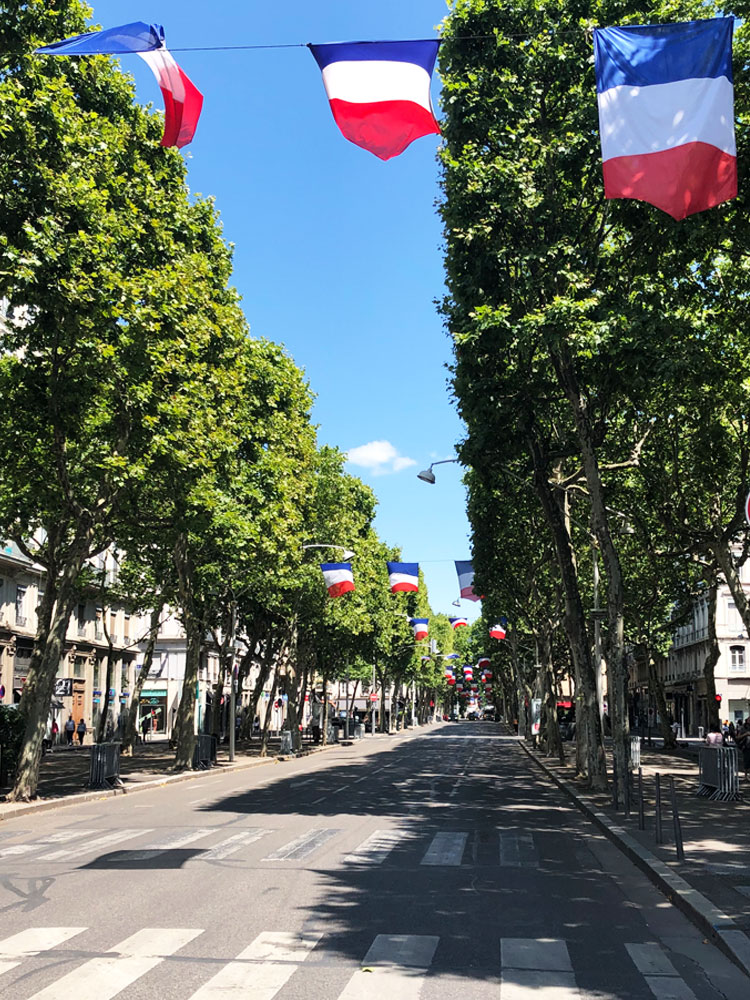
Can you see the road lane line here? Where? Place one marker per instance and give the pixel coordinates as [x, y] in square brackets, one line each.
[517, 850]
[376, 848]
[261, 970]
[109, 974]
[446, 849]
[233, 844]
[93, 845]
[397, 966]
[543, 954]
[302, 847]
[31, 942]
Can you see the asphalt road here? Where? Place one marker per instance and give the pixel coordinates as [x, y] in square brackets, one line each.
[432, 867]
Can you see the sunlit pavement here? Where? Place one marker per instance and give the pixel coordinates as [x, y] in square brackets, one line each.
[434, 866]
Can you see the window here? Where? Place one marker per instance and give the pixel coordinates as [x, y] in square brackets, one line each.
[20, 600]
[734, 622]
[126, 626]
[737, 658]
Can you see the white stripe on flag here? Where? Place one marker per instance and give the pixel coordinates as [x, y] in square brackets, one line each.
[376, 80]
[637, 120]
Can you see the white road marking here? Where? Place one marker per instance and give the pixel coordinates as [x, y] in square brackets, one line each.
[538, 966]
[397, 966]
[93, 845]
[31, 942]
[446, 849]
[669, 988]
[62, 837]
[261, 970]
[376, 848]
[109, 974]
[544, 954]
[168, 843]
[650, 960]
[302, 847]
[517, 849]
[232, 844]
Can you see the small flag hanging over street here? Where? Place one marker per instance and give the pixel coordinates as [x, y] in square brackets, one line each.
[182, 100]
[458, 622]
[338, 578]
[666, 113]
[421, 628]
[483, 662]
[380, 91]
[403, 577]
[497, 631]
[465, 571]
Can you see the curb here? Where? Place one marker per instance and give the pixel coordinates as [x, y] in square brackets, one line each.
[709, 919]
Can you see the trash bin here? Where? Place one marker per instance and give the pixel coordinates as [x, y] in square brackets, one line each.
[359, 731]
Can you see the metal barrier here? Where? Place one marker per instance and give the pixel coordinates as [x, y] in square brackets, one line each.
[359, 731]
[719, 777]
[104, 766]
[204, 754]
[286, 742]
[635, 753]
[332, 734]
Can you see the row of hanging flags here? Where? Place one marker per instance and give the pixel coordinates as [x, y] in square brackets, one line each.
[404, 578]
[665, 95]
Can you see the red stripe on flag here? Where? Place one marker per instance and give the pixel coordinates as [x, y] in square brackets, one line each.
[384, 128]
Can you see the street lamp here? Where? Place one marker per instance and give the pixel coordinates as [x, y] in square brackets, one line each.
[348, 554]
[428, 476]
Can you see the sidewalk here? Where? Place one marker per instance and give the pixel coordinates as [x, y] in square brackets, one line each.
[64, 773]
[712, 885]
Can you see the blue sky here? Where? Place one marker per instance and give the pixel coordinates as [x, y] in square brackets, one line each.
[337, 254]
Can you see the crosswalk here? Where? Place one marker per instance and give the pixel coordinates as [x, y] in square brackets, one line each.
[396, 966]
[514, 848]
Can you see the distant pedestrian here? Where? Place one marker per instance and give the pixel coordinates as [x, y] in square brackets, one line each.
[145, 726]
[731, 733]
[676, 728]
[743, 742]
[81, 730]
[55, 731]
[714, 738]
[70, 729]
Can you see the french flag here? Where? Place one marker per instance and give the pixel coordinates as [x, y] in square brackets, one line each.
[338, 577]
[465, 571]
[497, 631]
[403, 577]
[183, 102]
[483, 662]
[380, 91]
[421, 628]
[666, 113]
[458, 622]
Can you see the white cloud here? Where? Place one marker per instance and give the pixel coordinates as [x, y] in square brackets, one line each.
[379, 457]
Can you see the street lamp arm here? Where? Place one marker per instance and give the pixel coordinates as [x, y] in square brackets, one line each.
[428, 476]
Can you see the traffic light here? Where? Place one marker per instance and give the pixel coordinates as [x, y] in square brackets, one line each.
[717, 698]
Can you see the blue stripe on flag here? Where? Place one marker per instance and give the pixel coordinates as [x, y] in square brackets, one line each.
[135, 37]
[642, 55]
[421, 53]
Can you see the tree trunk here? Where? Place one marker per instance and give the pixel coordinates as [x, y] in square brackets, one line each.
[101, 728]
[56, 608]
[554, 747]
[574, 622]
[185, 722]
[655, 685]
[709, 665]
[616, 665]
[131, 723]
[269, 713]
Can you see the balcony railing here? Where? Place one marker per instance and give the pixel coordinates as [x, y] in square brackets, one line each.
[98, 634]
[21, 621]
[81, 629]
[690, 637]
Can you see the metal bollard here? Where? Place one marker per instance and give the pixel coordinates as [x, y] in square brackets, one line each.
[676, 822]
[657, 828]
[615, 789]
[641, 809]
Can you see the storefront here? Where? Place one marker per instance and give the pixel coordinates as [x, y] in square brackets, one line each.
[154, 704]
